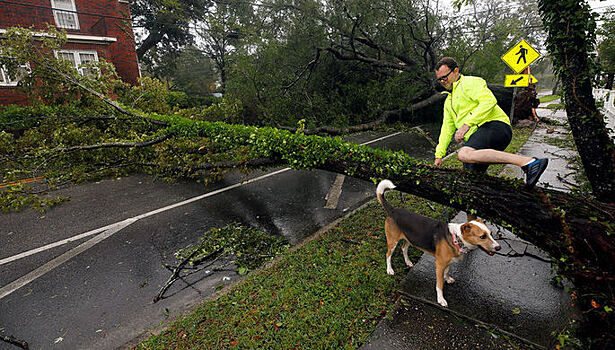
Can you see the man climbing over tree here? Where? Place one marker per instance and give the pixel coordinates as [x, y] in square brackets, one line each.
[472, 114]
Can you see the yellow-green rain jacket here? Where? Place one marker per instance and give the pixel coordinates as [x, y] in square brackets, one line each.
[472, 103]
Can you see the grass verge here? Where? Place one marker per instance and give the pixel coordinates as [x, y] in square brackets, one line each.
[549, 98]
[556, 106]
[330, 292]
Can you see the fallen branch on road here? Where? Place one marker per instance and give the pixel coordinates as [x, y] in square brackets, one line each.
[12, 340]
[177, 270]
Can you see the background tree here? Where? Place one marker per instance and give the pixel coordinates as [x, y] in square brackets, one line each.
[194, 73]
[161, 63]
[165, 22]
[220, 33]
[334, 62]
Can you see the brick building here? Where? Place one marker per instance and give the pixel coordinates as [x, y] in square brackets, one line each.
[95, 29]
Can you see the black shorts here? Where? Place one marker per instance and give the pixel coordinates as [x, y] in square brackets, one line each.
[491, 135]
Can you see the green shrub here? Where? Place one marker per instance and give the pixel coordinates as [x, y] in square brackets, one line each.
[226, 109]
[151, 95]
[178, 100]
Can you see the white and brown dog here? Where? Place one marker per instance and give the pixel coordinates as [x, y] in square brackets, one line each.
[447, 242]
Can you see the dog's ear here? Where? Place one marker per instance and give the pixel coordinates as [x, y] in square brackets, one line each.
[479, 220]
[465, 228]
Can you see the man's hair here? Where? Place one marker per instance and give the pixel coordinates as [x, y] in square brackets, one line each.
[447, 61]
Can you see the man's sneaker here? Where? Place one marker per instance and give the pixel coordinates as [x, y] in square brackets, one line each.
[533, 171]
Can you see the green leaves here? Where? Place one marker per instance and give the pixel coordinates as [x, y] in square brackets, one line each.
[250, 246]
[17, 198]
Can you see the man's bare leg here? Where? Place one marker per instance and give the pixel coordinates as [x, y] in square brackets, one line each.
[490, 156]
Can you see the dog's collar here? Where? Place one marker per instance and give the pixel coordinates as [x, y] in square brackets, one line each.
[461, 249]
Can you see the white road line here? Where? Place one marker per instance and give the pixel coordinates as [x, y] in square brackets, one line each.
[158, 211]
[53, 245]
[333, 196]
[31, 276]
[380, 139]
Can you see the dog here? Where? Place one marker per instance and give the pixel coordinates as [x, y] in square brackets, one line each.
[446, 242]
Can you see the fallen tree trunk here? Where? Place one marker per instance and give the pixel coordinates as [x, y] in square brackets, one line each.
[577, 232]
[560, 223]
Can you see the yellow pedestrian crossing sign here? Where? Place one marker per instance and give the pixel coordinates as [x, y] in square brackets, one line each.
[519, 80]
[520, 56]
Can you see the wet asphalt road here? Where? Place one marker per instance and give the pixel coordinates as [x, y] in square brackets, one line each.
[101, 298]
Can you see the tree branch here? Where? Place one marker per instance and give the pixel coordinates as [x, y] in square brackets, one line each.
[386, 115]
[14, 341]
[362, 58]
[103, 98]
[117, 144]
[177, 270]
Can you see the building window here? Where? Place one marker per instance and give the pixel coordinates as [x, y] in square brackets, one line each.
[7, 80]
[78, 58]
[65, 14]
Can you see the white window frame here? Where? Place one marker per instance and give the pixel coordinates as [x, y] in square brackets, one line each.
[6, 79]
[60, 11]
[77, 57]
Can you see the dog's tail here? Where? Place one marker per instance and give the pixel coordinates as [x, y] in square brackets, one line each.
[382, 187]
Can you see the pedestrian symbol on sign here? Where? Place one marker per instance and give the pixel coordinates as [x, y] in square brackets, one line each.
[521, 53]
[520, 56]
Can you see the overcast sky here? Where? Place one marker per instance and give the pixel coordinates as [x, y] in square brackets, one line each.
[597, 5]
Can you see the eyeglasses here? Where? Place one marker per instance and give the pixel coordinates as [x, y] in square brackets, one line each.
[444, 77]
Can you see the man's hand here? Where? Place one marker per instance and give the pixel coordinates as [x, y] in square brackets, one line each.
[438, 162]
[461, 132]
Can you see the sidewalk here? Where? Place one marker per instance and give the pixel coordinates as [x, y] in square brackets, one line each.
[500, 293]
